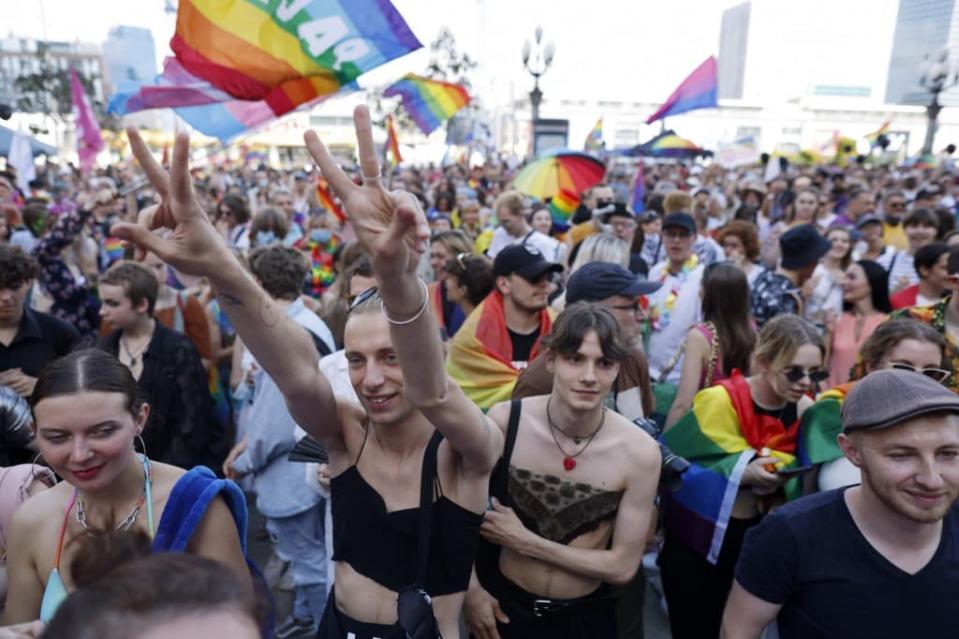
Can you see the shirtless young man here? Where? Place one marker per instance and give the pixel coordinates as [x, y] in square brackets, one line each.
[572, 510]
[395, 356]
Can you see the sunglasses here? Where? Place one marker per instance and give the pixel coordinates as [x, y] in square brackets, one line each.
[938, 374]
[362, 297]
[796, 373]
[632, 308]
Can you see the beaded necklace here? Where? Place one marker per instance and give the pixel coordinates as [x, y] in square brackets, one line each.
[662, 312]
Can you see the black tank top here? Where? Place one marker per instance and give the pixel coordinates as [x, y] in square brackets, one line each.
[382, 546]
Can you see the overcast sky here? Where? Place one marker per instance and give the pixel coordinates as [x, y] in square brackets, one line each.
[605, 49]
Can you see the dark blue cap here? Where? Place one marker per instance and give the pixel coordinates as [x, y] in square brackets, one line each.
[598, 280]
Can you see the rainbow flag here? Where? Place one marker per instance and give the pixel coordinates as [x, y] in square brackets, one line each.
[563, 205]
[639, 191]
[821, 424]
[114, 248]
[327, 201]
[429, 102]
[594, 141]
[321, 266]
[719, 437]
[481, 353]
[873, 138]
[392, 142]
[276, 55]
[697, 91]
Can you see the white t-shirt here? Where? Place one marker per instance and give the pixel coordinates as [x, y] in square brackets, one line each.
[901, 267]
[687, 311]
[552, 249]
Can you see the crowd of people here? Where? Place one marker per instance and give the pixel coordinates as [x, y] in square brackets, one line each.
[463, 414]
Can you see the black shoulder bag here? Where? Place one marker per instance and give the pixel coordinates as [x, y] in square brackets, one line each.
[414, 606]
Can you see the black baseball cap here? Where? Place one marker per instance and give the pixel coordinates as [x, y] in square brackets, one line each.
[889, 397]
[598, 280]
[680, 220]
[620, 210]
[802, 245]
[524, 260]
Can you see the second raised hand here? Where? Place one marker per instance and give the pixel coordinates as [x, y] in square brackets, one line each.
[390, 226]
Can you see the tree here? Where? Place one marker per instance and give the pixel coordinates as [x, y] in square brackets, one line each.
[47, 90]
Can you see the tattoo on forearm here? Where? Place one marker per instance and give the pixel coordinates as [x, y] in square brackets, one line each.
[269, 313]
[232, 300]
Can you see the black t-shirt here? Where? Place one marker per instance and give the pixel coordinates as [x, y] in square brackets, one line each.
[40, 339]
[522, 347]
[811, 557]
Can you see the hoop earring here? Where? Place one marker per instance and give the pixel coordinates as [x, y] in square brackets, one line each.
[143, 445]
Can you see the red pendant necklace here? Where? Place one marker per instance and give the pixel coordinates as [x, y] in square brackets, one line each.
[569, 461]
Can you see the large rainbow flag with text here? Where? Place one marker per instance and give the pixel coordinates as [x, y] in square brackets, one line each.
[481, 354]
[719, 437]
[242, 63]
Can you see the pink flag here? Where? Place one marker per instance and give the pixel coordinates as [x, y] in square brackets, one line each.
[89, 142]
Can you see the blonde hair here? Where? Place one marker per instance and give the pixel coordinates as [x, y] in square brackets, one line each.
[602, 247]
[678, 201]
[511, 201]
[782, 336]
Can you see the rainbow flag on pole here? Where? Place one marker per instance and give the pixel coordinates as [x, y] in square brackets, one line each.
[719, 437]
[698, 91]
[392, 142]
[594, 141]
[328, 201]
[273, 56]
[429, 102]
[873, 138]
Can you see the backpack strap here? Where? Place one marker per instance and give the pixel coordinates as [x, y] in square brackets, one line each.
[427, 480]
[188, 503]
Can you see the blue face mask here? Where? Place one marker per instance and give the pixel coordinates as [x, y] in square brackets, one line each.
[320, 236]
[265, 238]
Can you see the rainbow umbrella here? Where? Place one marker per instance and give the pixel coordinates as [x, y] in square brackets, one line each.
[559, 171]
[667, 145]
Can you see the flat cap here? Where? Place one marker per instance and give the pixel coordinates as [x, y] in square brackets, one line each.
[888, 397]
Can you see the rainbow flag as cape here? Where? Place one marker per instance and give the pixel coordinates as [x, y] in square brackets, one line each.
[697, 91]
[327, 201]
[429, 102]
[481, 353]
[594, 141]
[275, 55]
[563, 205]
[821, 424]
[719, 437]
[639, 191]
[392, 142]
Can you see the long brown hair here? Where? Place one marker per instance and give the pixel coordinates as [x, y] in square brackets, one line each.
[726, 305]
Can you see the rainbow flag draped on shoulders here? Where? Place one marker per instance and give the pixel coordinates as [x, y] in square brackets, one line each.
[719, 437]
[820, 425]
[242, 63]
[481, 354]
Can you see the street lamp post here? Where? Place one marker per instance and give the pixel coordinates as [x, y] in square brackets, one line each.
[937, 75]
[537, 57]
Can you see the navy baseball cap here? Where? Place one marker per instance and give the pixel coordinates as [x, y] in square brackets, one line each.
[598, 280]
[680, 220]
[802, 245]
[524, 260]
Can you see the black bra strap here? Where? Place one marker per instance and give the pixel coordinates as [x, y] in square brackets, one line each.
[426, 507]
[512, 427]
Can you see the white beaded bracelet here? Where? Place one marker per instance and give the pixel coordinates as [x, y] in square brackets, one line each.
[426, 303]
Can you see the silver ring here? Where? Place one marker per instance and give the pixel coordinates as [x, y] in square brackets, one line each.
[374, 179]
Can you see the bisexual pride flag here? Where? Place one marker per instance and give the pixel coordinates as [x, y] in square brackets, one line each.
[242, 63]
[697, 91]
